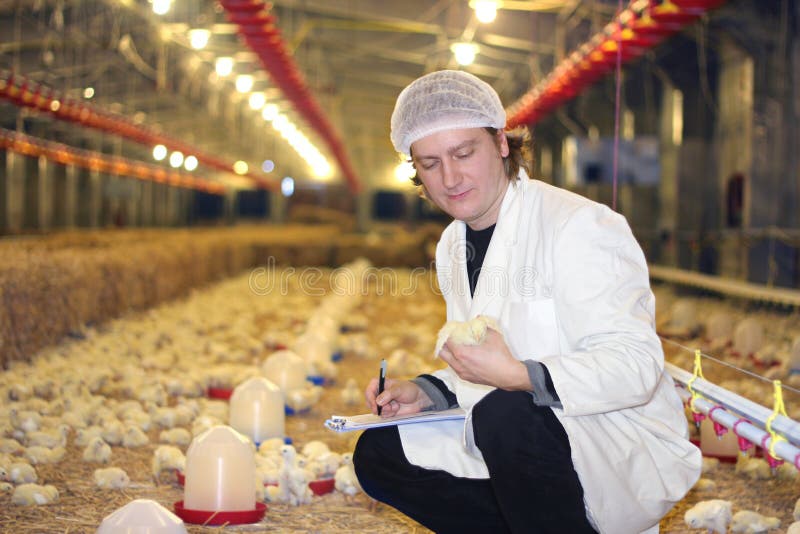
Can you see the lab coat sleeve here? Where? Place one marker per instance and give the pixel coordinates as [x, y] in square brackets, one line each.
[605, 311]
[448, 377]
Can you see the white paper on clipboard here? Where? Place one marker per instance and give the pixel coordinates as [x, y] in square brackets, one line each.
[346, 423]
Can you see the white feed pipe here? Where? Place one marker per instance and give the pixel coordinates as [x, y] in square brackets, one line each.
[725, 286]
[740, 415]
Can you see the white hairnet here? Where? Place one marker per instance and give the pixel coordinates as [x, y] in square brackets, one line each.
[444, 100]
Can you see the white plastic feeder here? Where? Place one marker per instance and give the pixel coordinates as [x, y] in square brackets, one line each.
[256, 410]
[220, 472]
[142, 516]
[286, 370]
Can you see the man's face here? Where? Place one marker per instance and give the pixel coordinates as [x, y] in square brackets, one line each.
[462, 171]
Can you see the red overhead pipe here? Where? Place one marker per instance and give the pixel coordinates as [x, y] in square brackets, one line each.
[643, 25]
[26, 93]
[97, 161]
[257, 29]
[698, 5]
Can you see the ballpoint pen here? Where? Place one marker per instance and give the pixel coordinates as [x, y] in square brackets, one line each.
[381, 380]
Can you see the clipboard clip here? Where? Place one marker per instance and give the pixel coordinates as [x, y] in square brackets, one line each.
[336, 423]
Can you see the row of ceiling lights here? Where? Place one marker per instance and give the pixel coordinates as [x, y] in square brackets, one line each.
[224, 67]
[190, 162]
[464, 52]
[26, 93]
[100, 162]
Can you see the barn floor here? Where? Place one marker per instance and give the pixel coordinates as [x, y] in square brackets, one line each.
[395, 320]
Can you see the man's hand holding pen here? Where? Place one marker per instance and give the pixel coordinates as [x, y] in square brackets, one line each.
[399, 397]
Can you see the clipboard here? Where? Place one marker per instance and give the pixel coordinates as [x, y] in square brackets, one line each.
[346, 423]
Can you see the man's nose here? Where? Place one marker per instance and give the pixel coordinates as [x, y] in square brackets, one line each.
[450, 175]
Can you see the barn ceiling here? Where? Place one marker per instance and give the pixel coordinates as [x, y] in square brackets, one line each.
[353, 55]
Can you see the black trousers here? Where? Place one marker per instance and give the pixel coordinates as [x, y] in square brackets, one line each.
[532, 485]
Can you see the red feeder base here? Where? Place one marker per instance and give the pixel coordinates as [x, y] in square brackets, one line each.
[211, 517]
[220, 393]
[322, 486]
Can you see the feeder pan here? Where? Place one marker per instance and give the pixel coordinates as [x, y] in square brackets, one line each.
[317, 380]
[213, 517]
[142, 516]
[322, 486]
[220, 393]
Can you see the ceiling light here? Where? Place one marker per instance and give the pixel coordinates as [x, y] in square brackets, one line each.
[244, 83]
[270, 112]
[485, 10]
[321, 169]
[224, 66]
[198, 38]
[287, 186]
[288, 131]
[464, 52]
[176, 159]
[257, 100]
[88, 93]
[240, 167]
[280, 122]
[161, 7]
[190, 163]
[159, 152]
[268, 165]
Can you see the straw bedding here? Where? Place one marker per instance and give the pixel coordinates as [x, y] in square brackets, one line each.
[53, 285]
[81, 506]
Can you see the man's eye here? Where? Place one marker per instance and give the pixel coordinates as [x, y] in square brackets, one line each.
[463, 155]
[429, 166]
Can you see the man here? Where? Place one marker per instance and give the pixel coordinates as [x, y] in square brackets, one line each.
[573, 425]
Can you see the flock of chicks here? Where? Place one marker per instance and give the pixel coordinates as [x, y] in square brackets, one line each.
[285, 475]
[716, 515]
[767, 344]
[141, 383]
[762, 343]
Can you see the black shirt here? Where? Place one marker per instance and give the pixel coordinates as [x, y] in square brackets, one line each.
[477, 244]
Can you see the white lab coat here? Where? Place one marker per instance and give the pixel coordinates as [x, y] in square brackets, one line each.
[569, 285]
